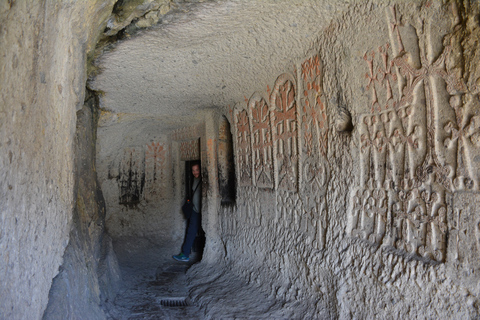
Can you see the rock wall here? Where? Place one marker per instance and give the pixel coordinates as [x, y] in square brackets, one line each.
[136, 175]
[358, 170]
[89, 275]
[43, 47]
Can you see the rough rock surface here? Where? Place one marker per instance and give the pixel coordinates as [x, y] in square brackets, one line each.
[43, 47]
[89, 275]
[203, 57]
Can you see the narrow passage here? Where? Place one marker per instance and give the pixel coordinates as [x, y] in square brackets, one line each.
[154, 285]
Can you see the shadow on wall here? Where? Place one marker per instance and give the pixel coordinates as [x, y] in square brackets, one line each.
[226, 164]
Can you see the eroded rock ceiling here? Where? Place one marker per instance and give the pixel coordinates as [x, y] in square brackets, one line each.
[208, 54]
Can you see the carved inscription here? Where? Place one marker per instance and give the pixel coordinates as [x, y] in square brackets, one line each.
[244, 153]
[190, 150]
[285, 131]
[262, 144]
[186, 133]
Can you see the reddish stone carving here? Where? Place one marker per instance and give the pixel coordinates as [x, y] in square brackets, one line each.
[244, 153]
[262, 144]
[314, 120]
[285, 132]
[190, 150]
[186, 133]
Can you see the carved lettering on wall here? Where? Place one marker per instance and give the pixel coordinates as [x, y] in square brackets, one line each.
[244, 148]
[186, 133]
[262, 144]
[415, 147]
[190, 150]
[285, 132]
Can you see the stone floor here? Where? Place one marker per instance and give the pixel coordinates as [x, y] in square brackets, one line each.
[150, 276]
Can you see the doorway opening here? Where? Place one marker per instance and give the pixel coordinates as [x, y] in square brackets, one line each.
[190, 188]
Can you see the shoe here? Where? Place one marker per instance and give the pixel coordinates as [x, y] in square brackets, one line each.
[181, 257]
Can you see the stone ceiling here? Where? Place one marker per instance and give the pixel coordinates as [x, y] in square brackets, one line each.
[211, 55]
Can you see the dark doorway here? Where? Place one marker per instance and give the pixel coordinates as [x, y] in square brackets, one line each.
[199, 242]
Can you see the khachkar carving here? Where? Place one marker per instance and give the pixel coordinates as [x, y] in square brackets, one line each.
[285, 132]
[262, 144]
[190, 150]
[314, 166]
[155, 163]
[244, 148]
[414, 147]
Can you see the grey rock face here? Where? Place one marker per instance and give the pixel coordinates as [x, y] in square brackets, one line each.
[89, 275]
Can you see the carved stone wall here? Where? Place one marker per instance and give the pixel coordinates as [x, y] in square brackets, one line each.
[190, 150]
[388, 211]
[414, 143]
[138, 184]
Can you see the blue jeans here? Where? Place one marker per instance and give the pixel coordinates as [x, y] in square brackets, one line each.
[191, 233]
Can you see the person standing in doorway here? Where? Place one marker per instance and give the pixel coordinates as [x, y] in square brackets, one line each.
[194, 221]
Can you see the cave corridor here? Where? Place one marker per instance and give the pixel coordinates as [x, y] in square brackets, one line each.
[339, 144]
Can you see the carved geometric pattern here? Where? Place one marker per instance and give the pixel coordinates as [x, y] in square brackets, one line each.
[262, 144]
[314, 128]
[314, 120]
[285, 132]
[186, 133]
[244, 148]
[406, 167]
[190, 150]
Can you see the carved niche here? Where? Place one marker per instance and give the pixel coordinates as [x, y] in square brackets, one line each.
[262, 144]
[244, 153]
[285, 132]
[414, 143]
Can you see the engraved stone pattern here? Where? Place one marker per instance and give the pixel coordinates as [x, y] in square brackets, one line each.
[190, 150]
[262, 145]
[186, 133]
[285, 131]
[464, 233]
[314, 146]
[406, 165]
[396, 250]
[244, 148]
